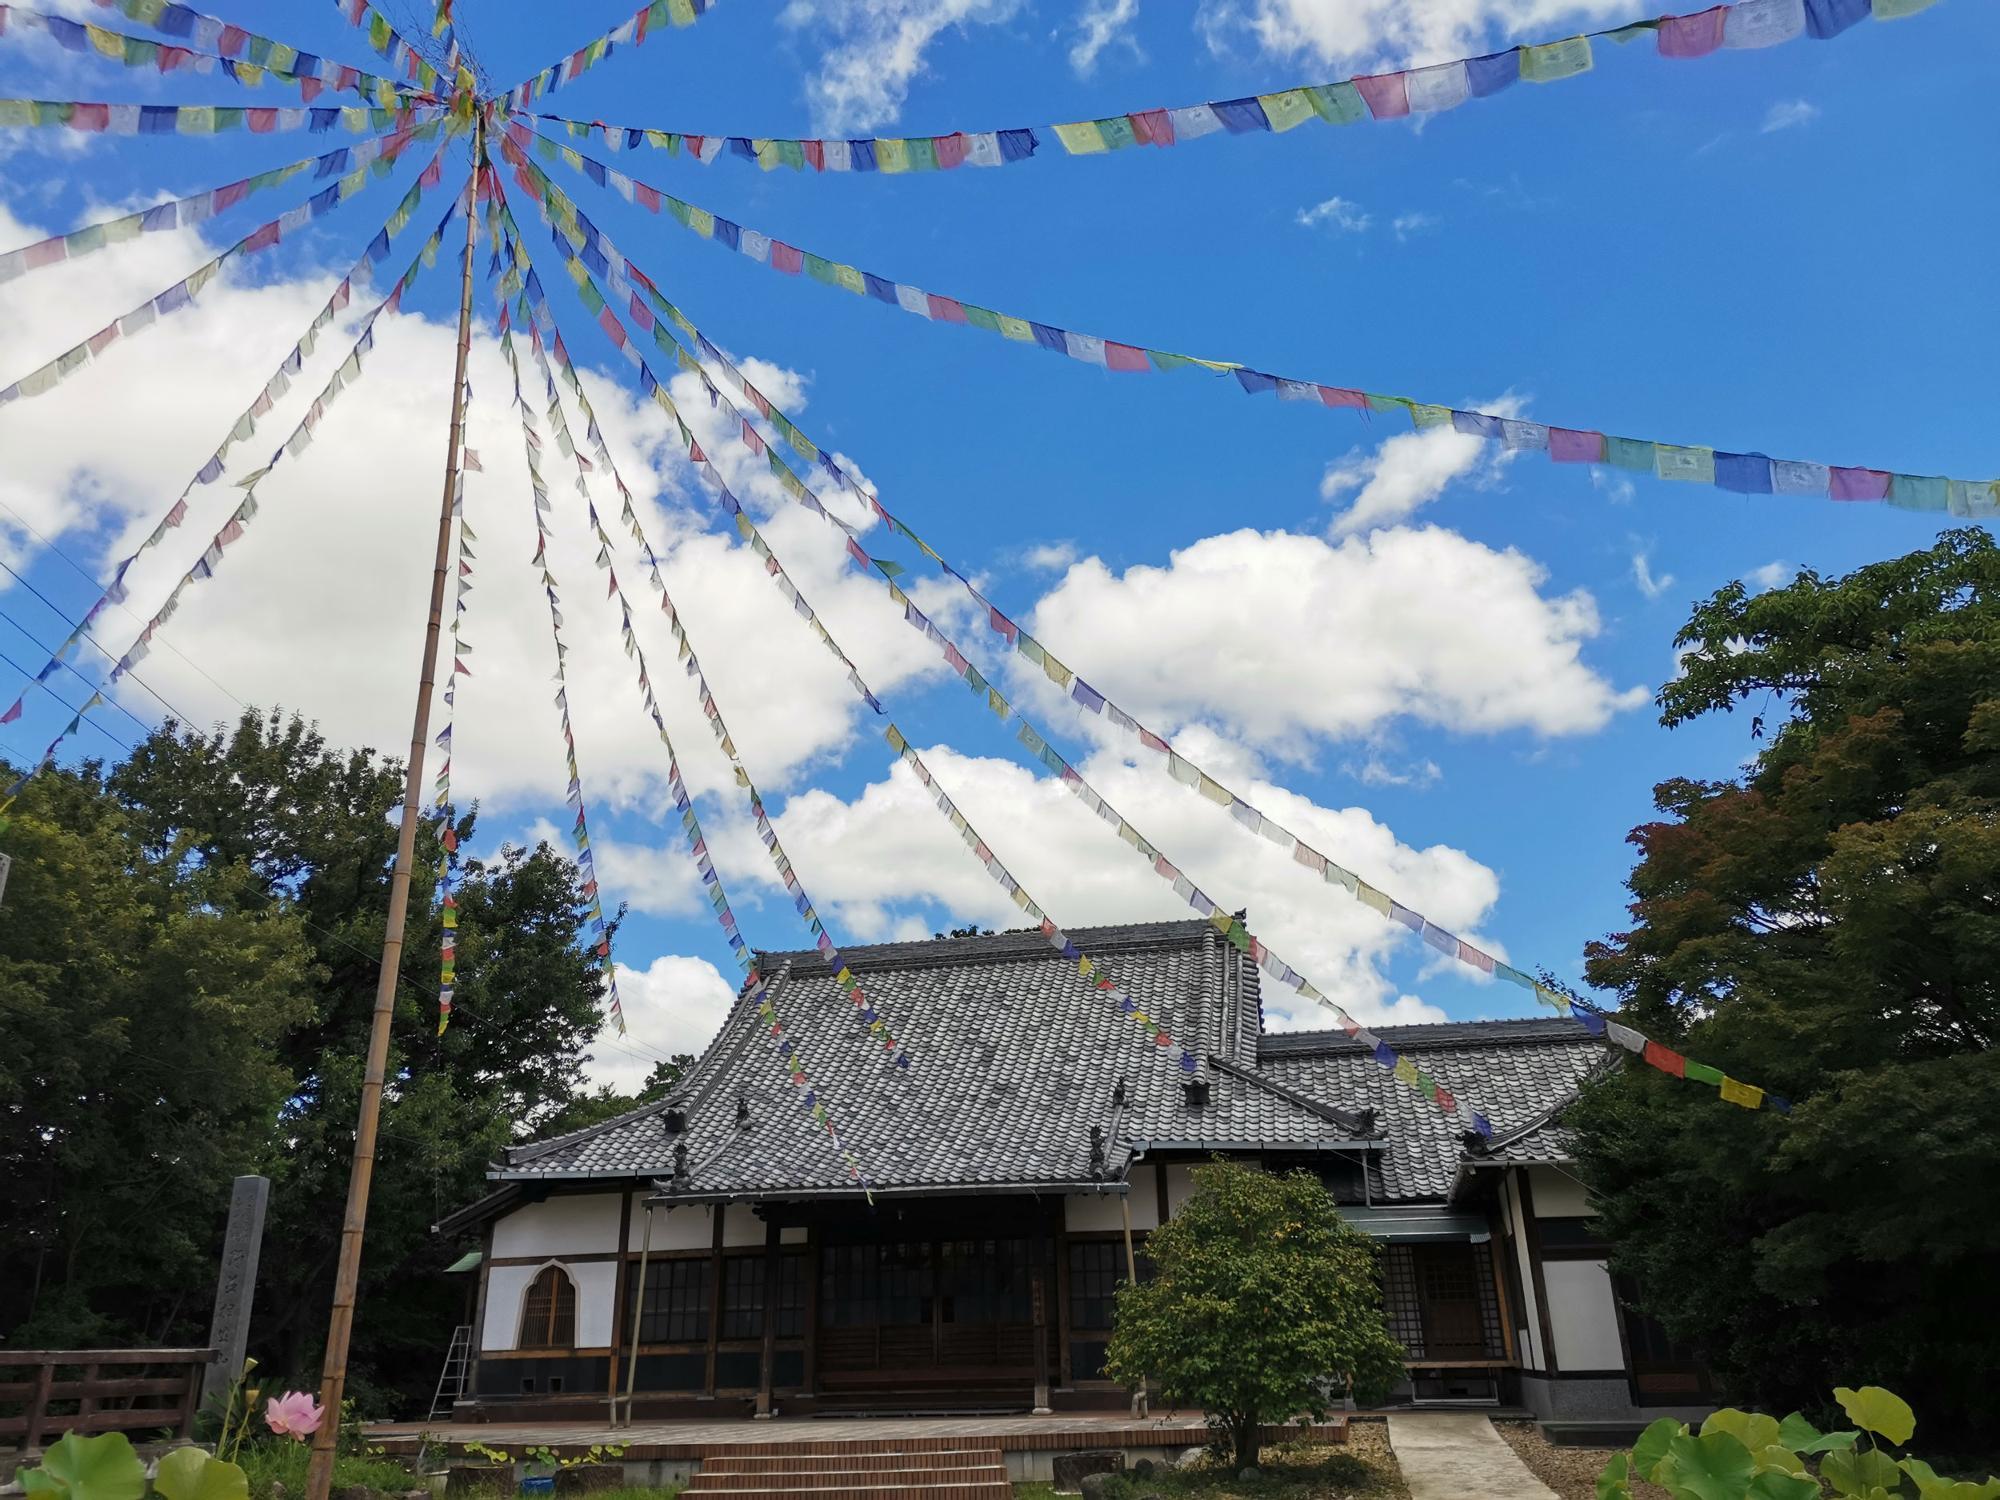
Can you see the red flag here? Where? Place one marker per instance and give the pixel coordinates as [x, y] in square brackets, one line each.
[1665, 1059]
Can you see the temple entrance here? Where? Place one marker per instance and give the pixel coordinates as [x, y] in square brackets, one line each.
[939, 1311]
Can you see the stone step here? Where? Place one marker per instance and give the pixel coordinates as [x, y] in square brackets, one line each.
[997, 1489]
[888, 1456]
[708, 1482]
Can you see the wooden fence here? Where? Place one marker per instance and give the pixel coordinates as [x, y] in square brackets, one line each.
[136, 1391]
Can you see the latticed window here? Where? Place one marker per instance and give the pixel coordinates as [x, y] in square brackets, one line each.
[1399, 1299]
[548, 1312]
[743, 1297]
[1094, 1267]
[675, 1310]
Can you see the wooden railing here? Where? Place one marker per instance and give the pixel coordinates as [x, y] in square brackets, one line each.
[98, 1390]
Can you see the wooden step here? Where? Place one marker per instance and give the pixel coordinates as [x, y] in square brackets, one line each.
[889, 1457]
[832, 1487]
[706, 1483]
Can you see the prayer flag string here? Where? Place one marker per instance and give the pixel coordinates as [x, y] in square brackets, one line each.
[519, 277]
[633, 31]
[242, 429]
[213, 34]
[89, 118]
[183, 292]
[385, 41]
[619, 268]
[1740, 473]
[198, 208]
[1230, 927]
[1379, 96]
[580, 829]
[867, 1009]
[278, 62]
[239, 520]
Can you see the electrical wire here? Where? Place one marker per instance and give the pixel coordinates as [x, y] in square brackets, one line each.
[124, 745]
[36, 642]
[84, 573]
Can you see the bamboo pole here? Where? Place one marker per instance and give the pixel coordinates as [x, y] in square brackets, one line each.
[1140, 1406]
[638, 1322]
[340, 1325]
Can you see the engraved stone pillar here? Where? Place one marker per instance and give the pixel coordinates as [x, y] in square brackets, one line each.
[236, 1286]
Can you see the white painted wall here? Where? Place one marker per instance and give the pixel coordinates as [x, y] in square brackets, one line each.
[565, 1224]
[1583, 1315]
[1527, 1317]
[673, 1228]
[1096, 1212]
[1557, 1196]
[504, 1288]
[507, 1286]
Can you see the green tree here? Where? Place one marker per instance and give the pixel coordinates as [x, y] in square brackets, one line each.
[607, 1103]
[245, 836]
[1826, 925]
[142, 1002]
[1263, 1305]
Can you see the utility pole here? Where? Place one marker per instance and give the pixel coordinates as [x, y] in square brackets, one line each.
[340, 1326]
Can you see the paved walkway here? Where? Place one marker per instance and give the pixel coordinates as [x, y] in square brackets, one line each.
[1458, 1456]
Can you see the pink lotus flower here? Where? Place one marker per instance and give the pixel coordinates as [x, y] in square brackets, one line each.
[295, 1415]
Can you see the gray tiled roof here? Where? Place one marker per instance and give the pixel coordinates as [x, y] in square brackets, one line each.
[1014, 1058]
[1515, 1071]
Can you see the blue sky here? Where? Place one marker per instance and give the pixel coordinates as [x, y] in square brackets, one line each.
[1786, 250]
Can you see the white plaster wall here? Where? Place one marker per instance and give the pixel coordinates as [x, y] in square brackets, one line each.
[1557, 1196]
[596, 1298]
[504, 1286]
[1583, 1316]
[792, 1234]
[688, 1228]
[740, 1225]
[1096, 1212]
[1527, 1317]
[1145, 1197]
[566, 1224]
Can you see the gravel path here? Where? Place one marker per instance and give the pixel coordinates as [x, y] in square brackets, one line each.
[1570, 1472]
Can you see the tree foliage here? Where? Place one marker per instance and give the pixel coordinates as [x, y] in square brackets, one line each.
[1263, 1306]
[190, 951]
[1827, 925]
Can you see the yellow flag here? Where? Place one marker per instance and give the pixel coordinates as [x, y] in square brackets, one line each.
[1747, 1095]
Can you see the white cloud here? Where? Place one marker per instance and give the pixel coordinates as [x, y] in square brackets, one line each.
[1788, 113]
[1049, 557]
[1338, 214]
[675, 1004]
[1770, 576]
[1288, 638]
[885, 863]
[1377, 771]
[1642, 575]
[1352, 33]
[871, 51]
[320, 605]
[1414, 222]
[1101, 24]
[1411, 469]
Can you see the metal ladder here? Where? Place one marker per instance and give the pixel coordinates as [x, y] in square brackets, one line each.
[451, 1380]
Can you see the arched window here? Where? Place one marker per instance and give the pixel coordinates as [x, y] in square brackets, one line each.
[548, 1312]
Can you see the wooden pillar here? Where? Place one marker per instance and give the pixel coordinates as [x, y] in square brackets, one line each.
[619, 1317]
[1532, 1230]
[1041, 1299]
[721, 1211]
[769, 1357]
[809, 1376]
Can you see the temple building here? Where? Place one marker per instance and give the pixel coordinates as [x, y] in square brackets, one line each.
[1015, 1169]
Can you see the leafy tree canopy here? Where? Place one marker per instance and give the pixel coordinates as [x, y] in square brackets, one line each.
[190, 950]
[1827, 924]
[1263, 1305]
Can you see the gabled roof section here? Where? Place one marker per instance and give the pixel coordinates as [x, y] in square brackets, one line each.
[1014, 1058]
[1521, 1073]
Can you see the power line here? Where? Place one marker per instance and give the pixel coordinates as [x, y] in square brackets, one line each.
[37, 644]
[83, 573]
[122, 744]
